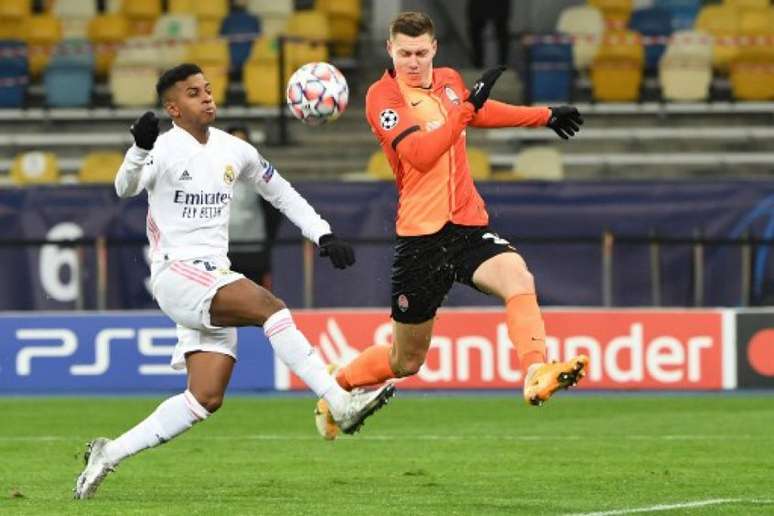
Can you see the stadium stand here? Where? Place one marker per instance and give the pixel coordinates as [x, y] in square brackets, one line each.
[100, 167]
[616, 73]
[69, 77]
[41, 32]
[539, 162]
[586, 25]
[74, 16]
[13, 73]
[12, 15]
[106, 32]
[142, 15]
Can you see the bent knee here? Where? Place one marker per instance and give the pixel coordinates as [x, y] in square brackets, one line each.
[408, 366]
[210, 402]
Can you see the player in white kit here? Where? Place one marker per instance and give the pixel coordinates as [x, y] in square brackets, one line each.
[189, 172]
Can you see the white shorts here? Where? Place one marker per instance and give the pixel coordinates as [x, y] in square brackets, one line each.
[184, 290]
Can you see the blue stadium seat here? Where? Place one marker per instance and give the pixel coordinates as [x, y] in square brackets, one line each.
[240, 22]
[551, 70]
[69, 77]
[653, 22]
[14, 73]
[682, 12]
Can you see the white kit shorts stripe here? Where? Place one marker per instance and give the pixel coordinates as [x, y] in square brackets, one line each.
[184, 290]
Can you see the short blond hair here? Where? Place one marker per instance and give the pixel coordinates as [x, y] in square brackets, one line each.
[413, 24]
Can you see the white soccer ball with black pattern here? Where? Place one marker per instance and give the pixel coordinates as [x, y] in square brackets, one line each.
[317, 93]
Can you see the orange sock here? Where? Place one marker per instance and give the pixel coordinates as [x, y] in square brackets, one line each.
[526, 329]
[370, 367]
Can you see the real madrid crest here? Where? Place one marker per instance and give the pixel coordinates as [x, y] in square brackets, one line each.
[452, 95]
[228, 175]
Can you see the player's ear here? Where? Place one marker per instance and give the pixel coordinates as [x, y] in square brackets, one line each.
[389, 47]
[435, 46]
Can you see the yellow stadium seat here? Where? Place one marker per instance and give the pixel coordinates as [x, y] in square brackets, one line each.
[15, 9]
[542, 163]
[752, 78]
[100, 167]
[379, 167]
[209, 14]
[141, 14]
[616, 12]
[616, 74]
[756, 31]
[260, 79]
[35, 168]
[106, 32]
[41, 33]
[213, 58]
[347, 8]
[748, 4]
[479, 163]
[308, 24]
[722, 22]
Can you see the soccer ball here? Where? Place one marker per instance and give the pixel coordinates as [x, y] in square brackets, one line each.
[317, 93]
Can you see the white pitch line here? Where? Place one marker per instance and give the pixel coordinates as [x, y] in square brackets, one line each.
[684, 505]
[419, 437]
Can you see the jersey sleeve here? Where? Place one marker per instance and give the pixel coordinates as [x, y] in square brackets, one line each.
[281, 194]
[499, 114]
[392, 123]
[137, 172]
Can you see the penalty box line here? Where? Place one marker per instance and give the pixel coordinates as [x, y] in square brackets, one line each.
[682, 505]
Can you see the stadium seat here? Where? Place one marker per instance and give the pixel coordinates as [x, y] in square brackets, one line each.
[751, 70]
[685, 70]
[748, 4]
[105, 33]
[135, 72]
[240, 23]
[100, 167]
[479, 163]
[379, 167]
[173, 34]
[13, 74]
[280, 8]
[208, 14]
[12, 15]
[539, 163]
[722, 22]
[586, 25]
[550, 66]
[132, 85]
[34, 168]
[142, 15]
[260, 79]
[615, 12]
[41, 32]
[307, 24]
[213, 58]
[654, 23]
[682, 12]
[69, 77]
[344, 21]
[74, 16]
[616, 74]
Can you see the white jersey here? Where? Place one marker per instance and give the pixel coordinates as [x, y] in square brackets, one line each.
[190, 187]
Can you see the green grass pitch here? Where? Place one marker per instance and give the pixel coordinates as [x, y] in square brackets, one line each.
[423, 454]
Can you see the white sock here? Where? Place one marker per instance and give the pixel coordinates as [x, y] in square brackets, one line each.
[170, 419]
[294, 350]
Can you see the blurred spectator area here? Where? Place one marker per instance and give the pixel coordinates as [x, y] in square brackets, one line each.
[669, 88]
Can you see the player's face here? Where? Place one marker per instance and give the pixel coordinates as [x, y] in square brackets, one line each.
[191, 101]
[412, 58]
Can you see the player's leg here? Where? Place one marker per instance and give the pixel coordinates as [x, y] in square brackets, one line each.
[506, 275]
[208, 377]
[243, 303]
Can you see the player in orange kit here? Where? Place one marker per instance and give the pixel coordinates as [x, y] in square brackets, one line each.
[419, 115]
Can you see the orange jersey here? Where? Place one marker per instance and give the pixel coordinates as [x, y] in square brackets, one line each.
[422, 133]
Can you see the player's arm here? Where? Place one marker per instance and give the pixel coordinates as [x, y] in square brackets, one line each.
[281, 194]
[393, 124]
[564, 120]
[138, 166]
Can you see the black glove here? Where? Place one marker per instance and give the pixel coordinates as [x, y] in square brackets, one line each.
[483, 87]
[565, 121]
[145, 130]
[340, 252]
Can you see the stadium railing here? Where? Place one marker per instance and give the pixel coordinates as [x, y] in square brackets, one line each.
[653, 245]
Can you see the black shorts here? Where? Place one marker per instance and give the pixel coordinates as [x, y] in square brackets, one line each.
[425, 267]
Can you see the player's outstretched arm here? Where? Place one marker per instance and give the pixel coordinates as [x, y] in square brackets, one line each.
[281, 194]
[129, 178]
